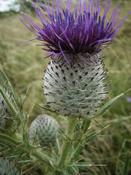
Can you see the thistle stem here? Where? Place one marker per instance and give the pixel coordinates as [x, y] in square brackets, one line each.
[68, 143]
[81, 140]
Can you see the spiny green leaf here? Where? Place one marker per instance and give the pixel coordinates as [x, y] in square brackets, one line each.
[7, 87]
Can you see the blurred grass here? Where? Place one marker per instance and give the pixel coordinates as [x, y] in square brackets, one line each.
[25, 65]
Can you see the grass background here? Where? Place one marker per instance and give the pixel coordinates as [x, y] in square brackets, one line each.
[110, 152]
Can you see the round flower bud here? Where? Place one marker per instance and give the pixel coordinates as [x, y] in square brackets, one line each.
[76, 89]
[8, 168]
[44, 130]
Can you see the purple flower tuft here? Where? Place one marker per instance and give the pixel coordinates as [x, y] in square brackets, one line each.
[84, 28]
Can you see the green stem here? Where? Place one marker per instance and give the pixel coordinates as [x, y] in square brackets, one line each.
[80, 140]
[68, 143]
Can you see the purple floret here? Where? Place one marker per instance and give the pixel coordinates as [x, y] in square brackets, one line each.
[84, 28]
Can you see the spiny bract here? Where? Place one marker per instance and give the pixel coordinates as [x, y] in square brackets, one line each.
[44, 130]
[76, 90]
[8, 168]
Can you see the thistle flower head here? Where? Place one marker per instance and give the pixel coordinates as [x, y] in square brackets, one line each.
[74, 36]
[43, 130]
[85, 28]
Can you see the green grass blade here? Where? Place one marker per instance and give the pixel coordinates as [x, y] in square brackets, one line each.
[109, 104]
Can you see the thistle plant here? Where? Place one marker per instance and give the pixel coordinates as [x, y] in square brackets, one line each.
[44, 130]
[74, 82]
[74, 86]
